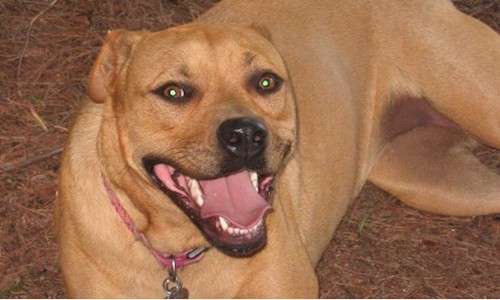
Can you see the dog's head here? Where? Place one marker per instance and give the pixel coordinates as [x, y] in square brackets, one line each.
[207, 113]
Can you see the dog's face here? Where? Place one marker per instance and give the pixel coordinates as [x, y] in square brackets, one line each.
[207, 113]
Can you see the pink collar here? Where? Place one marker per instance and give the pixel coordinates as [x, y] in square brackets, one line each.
[181, 260]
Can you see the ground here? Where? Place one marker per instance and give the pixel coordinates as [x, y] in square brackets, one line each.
[382, 249]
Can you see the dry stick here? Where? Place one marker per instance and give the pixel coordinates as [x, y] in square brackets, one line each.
[31, 160]
[28, 34]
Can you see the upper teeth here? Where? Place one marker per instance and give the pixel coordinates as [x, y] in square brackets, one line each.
[255, 180]
[194, 188]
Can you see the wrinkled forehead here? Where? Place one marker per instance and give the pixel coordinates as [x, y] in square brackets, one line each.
[194, 47]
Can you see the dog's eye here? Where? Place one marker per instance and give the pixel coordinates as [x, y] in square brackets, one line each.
[268, 83]
[174, 92]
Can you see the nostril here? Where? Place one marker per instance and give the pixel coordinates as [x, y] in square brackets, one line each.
[235, 137]
[259, 136]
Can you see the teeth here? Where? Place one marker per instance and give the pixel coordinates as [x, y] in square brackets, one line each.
[197, 195]
[223, 223]
[235, 230]
[194, 188]
[199, 200]
[255, 180]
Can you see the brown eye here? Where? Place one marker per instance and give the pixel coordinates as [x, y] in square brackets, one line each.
[173, 91]
[267, 82]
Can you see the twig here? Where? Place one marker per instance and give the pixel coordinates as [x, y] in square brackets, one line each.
[39, 119]
[31, 160]
[28, 35]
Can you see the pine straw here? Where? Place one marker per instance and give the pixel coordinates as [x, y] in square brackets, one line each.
[400, 252]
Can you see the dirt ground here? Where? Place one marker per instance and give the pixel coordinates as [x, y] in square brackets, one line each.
[382, 249]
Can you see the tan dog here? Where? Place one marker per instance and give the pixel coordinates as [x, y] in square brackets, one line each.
[193, 133]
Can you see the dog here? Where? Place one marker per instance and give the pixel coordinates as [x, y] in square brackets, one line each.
[216, 159]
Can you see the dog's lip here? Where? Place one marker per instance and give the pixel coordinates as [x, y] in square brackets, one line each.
[234, 227]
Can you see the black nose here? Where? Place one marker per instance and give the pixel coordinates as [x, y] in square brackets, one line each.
[243, 137]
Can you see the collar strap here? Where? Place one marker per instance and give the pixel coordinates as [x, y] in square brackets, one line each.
[181, 260]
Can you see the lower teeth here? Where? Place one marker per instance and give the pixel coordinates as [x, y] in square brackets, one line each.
[224, 226]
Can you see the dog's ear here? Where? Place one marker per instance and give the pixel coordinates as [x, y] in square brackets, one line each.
[111, 58]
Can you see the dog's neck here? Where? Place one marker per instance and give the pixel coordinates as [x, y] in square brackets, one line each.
[168, 261]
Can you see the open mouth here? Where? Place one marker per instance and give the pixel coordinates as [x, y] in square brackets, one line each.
[229, 210]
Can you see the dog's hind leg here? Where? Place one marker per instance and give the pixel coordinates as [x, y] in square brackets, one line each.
[433, 168]
[453, 64]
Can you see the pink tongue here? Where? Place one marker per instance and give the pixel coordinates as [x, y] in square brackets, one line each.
[234, 198]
